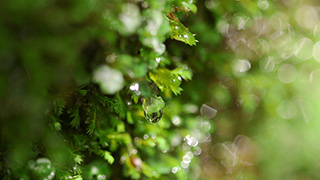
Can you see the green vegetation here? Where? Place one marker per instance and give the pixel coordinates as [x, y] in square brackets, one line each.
[159, 89]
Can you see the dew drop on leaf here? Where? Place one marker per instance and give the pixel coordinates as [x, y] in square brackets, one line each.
[153, 108]
[42, 169]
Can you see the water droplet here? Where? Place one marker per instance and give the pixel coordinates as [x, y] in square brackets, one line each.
[242, 23]
[136, 162]
[158, 59]
[176, 120]
[206, 126]
[154, 22]
[306, 110]
[253, 43]
[102, 177]
[287, 109]
[263, 4]
[241, 66]
[307, 17]
[304, 49]
[217, 151]
[229, 154]
[122, 159]
[184, 164]
[207, 111]
[316, 31]
[158, 46]
[134, 87]
[153, 108]
[186, 36]
[197, 151]
[316, 51]
[210, 4]
[264, 46]
[130, 17]
[174, 170]
[287, 51]
[190, 108]
[191, 141]
[134, 151]
[314, 77]
[188, 157]
[146, 136]
[280, 38]
[287, 73]
[111, 58]
[176, 140]
[267, 64]
[94, 170]
[42, 168]
[241, 144]
[110, 80]
[153, 136]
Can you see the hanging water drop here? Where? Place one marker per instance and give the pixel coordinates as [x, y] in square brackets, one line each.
[42, 169]
[153, 108]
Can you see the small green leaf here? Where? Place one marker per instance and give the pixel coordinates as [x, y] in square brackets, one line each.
[121, 127]
[185, 73]
[181, 33]
[148, 171]
[193, 8]
[165, 80]
[92, 125]
[76, 118]
[56, 123]
[77, 177]
[107, 156]
[57, 126]
[58, 106]
[129, 117]
[78, 159]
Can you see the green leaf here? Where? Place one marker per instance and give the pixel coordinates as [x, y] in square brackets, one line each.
[129, 117]
[92, 125]
[148, 171]
[76, 118]
[107, 156]
[121, 127]
[77, 177]
[114, 105]
[181, 33]
[185, 73]
[78, 159]
[56, 123]
[125, 138]
[193, 8]
[58, 106]
[135, 97]
[166, 81]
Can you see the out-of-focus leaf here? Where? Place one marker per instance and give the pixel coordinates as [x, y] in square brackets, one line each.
[78, 159]
[185, 73]
[193, 8]
[107, 156]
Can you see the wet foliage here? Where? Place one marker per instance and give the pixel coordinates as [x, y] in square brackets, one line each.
[159, 89]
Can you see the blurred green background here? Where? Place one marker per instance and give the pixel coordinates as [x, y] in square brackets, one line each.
[159, 89]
